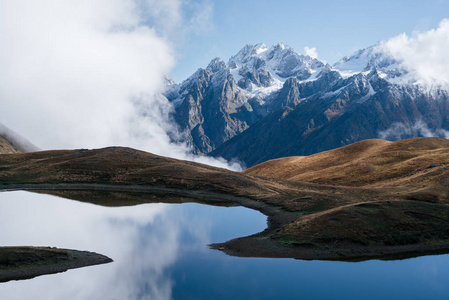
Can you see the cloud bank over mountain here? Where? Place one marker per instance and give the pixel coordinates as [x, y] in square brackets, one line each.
[89, 73]
[424, 54]
[70, 68]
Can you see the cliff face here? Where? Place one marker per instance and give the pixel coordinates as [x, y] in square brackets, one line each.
[270, 102]
[330, 120]
[224, 99]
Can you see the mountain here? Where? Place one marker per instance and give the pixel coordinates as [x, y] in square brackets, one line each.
[7, 147]
[270, 102]
[224, 99]
[11, 142]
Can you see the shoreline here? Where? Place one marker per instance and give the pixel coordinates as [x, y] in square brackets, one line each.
[26, 262]
[260, 244]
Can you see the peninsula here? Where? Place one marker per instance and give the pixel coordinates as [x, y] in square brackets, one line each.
[371, 199]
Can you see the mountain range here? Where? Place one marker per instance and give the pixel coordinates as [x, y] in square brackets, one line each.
[271, 102]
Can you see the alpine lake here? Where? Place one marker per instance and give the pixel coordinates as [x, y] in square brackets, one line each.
[161, 251]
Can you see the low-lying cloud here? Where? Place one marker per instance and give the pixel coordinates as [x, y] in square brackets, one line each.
[399, 131]
[424, 55]
[311, 52]
[88, 73]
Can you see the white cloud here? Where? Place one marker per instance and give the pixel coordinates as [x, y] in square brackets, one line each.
[177, 19]
[399, 131]
[69, 69]
[424, 55]
[311, 52]
[87, 73]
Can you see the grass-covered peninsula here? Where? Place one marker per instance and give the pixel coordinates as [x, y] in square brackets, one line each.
[28, 262]
[372, 199]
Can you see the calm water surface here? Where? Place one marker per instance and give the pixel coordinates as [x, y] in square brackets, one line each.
[160, 252]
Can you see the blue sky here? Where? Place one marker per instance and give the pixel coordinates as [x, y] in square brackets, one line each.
[334, 28]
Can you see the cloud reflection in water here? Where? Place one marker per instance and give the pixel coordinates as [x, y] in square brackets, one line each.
[142, 240]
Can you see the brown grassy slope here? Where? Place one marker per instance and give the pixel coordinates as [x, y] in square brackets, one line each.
[414, 169]
[341, 185]
[129, 167]
[6, 147]
[418, 164]
[125, 166]
[383, 223]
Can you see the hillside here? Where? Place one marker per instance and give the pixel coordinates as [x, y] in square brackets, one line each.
[420, 165]
[7, 147]
[11, 142]
[371, 199]
[370, 163]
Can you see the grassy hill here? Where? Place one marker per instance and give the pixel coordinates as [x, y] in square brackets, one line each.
[370, 199]
[418, 165]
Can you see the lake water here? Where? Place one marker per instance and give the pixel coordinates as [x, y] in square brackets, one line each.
[160, 252]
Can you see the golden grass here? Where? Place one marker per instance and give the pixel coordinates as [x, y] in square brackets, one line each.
[371, 163]
[372, 193]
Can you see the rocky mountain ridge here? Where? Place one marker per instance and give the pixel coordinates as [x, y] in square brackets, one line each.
[270, 102]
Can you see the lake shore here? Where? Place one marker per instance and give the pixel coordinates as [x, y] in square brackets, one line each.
[262, 244]
[368, 200]
[23, 262]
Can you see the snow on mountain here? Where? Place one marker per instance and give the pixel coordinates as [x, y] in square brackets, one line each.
[267, 101]
[374, 58]
[258, 70]
[224, 99]
[258, 66]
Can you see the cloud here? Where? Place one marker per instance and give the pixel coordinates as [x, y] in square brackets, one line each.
[399, 131]
[142, 240]
[424, 55]
[70, 68]
[16, 139]
[176, 19]
[89, 73]
[311, 52]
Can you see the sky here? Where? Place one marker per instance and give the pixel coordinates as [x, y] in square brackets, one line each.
[89, 73]
[335, 28]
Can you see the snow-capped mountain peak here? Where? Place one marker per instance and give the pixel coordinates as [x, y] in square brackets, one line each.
[262, 66]
[217, 64]
[286, 63]
[306, 106]
[373, 58]
[248, 52]
[257, 70]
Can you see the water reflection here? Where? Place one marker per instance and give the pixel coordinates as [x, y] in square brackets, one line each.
[143, 240]
[160, 252]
